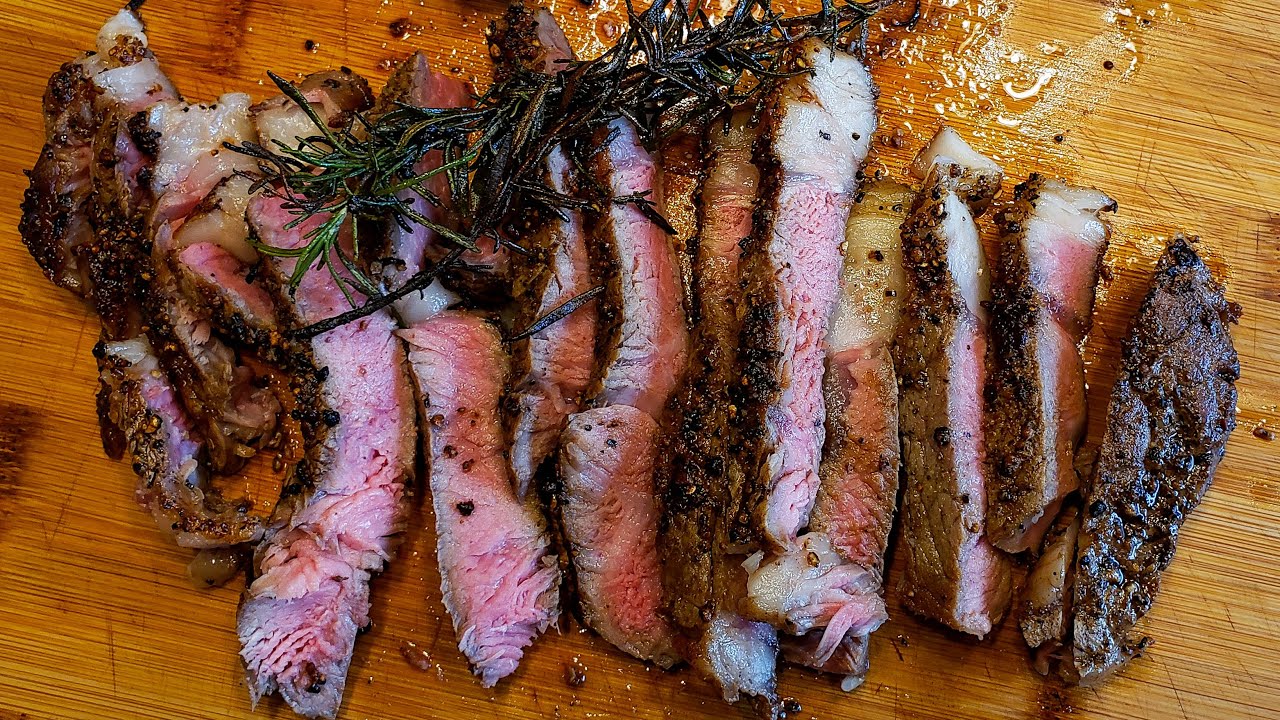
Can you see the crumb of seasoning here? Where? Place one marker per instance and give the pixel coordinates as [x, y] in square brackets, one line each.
[404, 27]
[416, 656]
[310, 45]
[1262, 432]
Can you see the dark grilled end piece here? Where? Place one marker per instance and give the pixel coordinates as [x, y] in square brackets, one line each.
[1172, 410]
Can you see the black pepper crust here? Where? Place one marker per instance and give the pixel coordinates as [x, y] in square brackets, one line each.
[1015, 427]
[758, 385]
[937, 521]
[690, 476]
[1172, 410]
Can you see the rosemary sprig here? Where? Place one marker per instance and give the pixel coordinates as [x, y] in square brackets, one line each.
[671, 69]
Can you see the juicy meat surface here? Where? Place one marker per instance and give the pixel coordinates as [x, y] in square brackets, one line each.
[140, 406]
[498, 571]
[642, 353]
[611, 519]
[818, 129]
[1172, 410]
[299, 617]
[557, 361]
[953, 573]
[1051, 246]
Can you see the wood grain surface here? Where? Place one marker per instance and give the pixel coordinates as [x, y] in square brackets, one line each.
[97, 619]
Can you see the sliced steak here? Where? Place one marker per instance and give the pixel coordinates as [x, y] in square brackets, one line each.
[644, 346]
[299, 618]
[858, 494]
[120, 76]
[554, 366]
[141, 408]
[409, 247]
[558, 361]
[1172, 410]
[703, 578]
[817, 131]
[953, 573]
[611, 520]
[1051, 246]
[190, 179]
[818, 128]
[607, 454]
[498, 571]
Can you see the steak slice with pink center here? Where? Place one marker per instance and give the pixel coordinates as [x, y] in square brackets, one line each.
[299, 618]
[498, 571]
[611, 519]
[953, 573]
[1052, 243]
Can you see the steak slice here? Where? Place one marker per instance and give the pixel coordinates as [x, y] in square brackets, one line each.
[299, 618]
[498, 571]
[643, 348]
[558, 361]
[1051, 247]
[858, 494]
[611, 520]
[818, 129]
[817, 132]
[554, 365]
[120, 76]
[190, 181]
[1172, 410]
[607, 453]
[141, 412]
[702, 572]
[408, 248]
[953, 573]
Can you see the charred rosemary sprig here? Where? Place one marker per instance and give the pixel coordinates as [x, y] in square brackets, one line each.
[671, 69]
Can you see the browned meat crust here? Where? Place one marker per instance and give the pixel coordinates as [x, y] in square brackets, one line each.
[1172, 410]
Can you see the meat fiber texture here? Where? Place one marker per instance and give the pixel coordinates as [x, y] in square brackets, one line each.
[1052, 241]
[608, 452]
[499, 574]
[953, 573]
[858, 494]
[1172, 409]
[299, 618]
[818, 129]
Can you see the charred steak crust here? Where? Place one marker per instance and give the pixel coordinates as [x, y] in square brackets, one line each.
[1172, 410]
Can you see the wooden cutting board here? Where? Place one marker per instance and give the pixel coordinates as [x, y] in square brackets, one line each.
[1171, 108]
